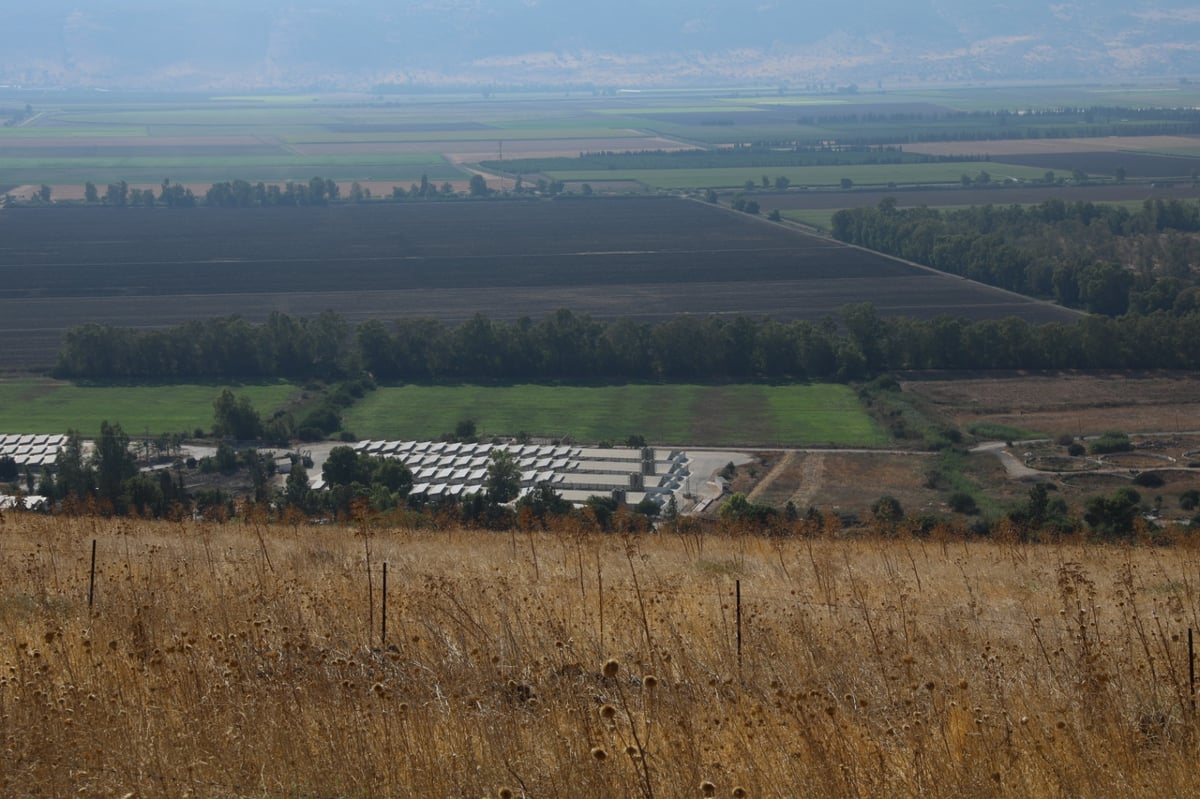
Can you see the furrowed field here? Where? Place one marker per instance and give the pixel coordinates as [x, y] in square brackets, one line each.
[642, 258]
[244, 660]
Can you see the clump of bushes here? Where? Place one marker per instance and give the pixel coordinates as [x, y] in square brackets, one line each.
[1111, 441]
[1148, 480]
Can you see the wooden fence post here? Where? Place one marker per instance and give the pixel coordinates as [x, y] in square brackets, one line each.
[92, 579]
[1192, 671]
[738, 584]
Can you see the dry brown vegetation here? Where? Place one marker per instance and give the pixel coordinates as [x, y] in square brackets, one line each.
[244, 660]
[1074, 403]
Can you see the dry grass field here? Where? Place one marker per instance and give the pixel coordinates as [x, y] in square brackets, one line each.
[1075, 403]
[246, 660]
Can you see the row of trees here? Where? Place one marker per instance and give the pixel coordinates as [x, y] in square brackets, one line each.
[1103, 258]
[244, 194]
[575, 347]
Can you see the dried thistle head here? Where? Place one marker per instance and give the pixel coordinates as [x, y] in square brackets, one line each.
[607, 711]
[650, 681]
[598, 754]
[611, 667]
[708, 789]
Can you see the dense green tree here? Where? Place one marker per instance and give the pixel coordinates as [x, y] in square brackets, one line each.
[114, 463]
[503, 477]
[235, 417]
[544, 502]
[343, 467]
[1113, 516]
[296, 491]
[76, 476]
[117, 194]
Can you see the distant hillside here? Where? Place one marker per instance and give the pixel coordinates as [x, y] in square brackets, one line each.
[357, 44]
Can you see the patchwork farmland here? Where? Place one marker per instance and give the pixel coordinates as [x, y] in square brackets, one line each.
[647, 258]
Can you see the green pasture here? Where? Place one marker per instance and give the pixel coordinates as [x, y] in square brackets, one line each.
[731, 415]
[821, 218]
[860, 175]
[39, 405]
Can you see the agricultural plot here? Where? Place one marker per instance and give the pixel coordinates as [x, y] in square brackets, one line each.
[1075, 404]
[997, 195]
[858, 174]
[213, 166]
[198, 140]
[53, 406]
[644, 258]
[1136, 165]
[736, 415]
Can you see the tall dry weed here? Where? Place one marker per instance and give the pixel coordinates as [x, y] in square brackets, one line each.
[246, 660]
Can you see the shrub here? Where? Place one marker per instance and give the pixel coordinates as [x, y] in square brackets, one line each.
[962, 502]
[1148, 480]
[1111, 441]
[1190, 499]
[887, 509]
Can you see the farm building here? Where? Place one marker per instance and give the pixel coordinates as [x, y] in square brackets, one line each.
[443, 469]
[27, 502]
[31, 451]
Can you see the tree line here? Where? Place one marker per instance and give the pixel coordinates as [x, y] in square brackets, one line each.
[566, 346]
[245, 194]
[1102, 258]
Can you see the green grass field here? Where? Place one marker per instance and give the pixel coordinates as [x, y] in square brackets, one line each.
[38, 405]
[733, 415]
[818, 217]
[861, 175]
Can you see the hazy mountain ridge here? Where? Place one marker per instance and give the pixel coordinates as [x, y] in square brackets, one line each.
[364, 43]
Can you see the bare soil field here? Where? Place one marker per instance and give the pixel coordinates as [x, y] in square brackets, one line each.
[646, 257]
[1078, 404]
[847, 482]
[1055, 146]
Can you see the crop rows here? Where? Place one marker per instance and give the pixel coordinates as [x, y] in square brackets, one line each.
[647, 258]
